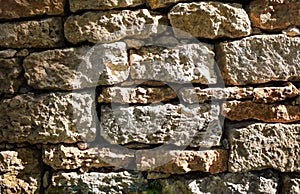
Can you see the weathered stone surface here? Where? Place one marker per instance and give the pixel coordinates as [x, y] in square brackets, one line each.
[274, 14]
[8, 53]
[259, 59]
[94, 182]
[291, 184]
[209, 20]
[180, 64]
[182, 161]
[228, 183]
[291, 31]
[44, 33]
[193, 125]
[76, 5]
[273, 94]
[20, 171]
[10, 9]
[238, 111]
[256, 146]
[76, 68]
[48, 118]
[103, 27]
[10, 75]
[155, 4]
[67, 157]
[141, 95]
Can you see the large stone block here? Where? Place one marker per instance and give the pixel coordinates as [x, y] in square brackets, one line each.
[209, 20]
[10, 75]
[10, 9]
[244, 110]
[274, 15]
[71, 158]
[96, 182]
[45, 33]
[76, 5]
[103, 27]
[191, 125]
[180, 64]
[20, 171]
[77, 68]
[227, 183]
[259, 59]
[48, 118]
[257, 146]
[182, 161]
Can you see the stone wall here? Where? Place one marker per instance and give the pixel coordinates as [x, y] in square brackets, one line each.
[150, 96]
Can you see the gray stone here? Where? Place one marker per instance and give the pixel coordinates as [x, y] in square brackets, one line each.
[188, 63]
[111, 26]
[209, 20]
[193, 125]
[45, 33]
[95, 182]
[77, 68]
[48, 118]
[257, 146]
[259, 59]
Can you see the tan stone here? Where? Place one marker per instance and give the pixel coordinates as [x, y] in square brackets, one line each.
[71, 158]
[8, 53]
[257, 146]
[259, 59]
[291, 184]
[292, 31]
[111, 26]
[10, 75]
[209, 20]
[238, 111]
[274, 15]
[182, 161]
[20, 171]
[185, 63]
[77, 68]
[155, 4]
[141, 95]
[48, 118]
[76, 5]
[45, 33]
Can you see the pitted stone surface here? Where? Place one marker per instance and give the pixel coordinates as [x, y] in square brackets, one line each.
[180, 64]
[77, 68]
[71, 158]
[182, 161]
[209, 20]
[257, 146]
[193, 125]
[291, 184]
[104, 27]
[45, 33]
[259, 59]
[48, 118]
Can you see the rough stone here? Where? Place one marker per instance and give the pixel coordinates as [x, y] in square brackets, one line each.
[140, 95]
[180, 64]
[244, 110]
[48, 118]
[10, 9]
[182, 161]
[291, 184]
[67, 157]
[20, 171]
[10, 75]
[95, 182]
[156, 4]
[8, 53]
[76, 5]
[209, 20]
[257, 146]
[226, 183]
[193, 125]
[259, 59]
[274, 15]
[76, 68]
[292, 31]
[103, 27]
[45, 33]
